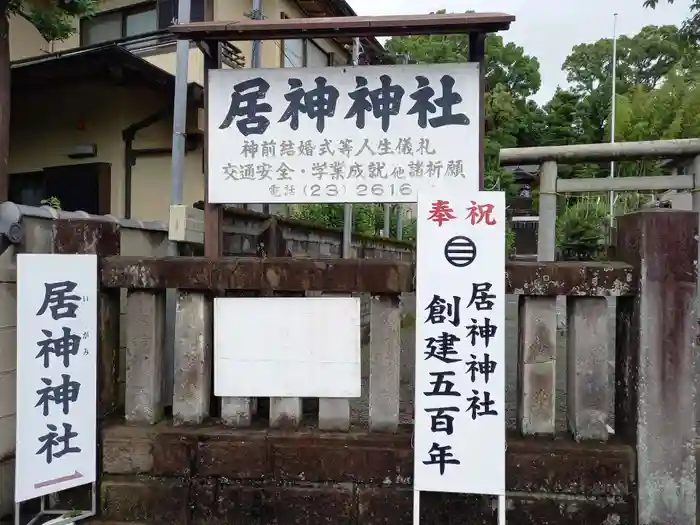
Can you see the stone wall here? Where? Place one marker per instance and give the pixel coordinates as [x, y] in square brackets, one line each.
[8, 381]
[140, 238]
[193, 476]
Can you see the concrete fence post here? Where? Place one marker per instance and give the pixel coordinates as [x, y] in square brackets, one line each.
[655, 378]
[384, 363]
[193, 357]
[546, 233]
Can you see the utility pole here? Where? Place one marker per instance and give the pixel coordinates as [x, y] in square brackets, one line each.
[256, 58]
[177, 177]
[180, 112]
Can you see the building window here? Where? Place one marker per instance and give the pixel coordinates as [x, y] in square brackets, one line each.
[133, 21]
[315, 56]
[302, 52]
[293, 53]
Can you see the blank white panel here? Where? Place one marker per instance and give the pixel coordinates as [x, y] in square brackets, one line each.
[287, 347]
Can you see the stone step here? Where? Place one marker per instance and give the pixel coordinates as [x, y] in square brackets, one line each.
[100, 522]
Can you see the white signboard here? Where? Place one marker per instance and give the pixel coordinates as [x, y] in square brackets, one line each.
[342, 134]
[56, 373]
[287, 347]
[460, 363]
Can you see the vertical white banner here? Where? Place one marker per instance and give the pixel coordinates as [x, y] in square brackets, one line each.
[56, 442]
[460, 352]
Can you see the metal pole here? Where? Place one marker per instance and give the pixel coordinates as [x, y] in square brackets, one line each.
[347, 209]
[177, 177]
[400, 206]
[180, 109]
[257, 44]
[387, 220]
[611, 195]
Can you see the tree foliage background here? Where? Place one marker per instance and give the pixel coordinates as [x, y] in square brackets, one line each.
[656, 93]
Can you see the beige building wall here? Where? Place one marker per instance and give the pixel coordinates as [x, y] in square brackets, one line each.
[103, 112]
[26, 42]
[272, 50]
[106, 110]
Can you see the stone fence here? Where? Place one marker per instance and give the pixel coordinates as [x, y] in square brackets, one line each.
[193, 458]
[35, 232]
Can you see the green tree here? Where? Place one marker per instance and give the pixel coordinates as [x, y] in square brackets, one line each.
[506, 63]
[331, 216]
[690, 30]
[581, 114]
[563, 119]
[511, 77]
[670, 111]
[642, 59]
[368, 219]
[54, 19]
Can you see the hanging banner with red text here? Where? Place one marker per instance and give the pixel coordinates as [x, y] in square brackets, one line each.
[460, 343]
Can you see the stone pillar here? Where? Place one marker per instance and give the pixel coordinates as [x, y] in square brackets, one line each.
[236, 411]
[145, 318]
[546, 232]
[537, 352]
[656, 346]
[333, 413]
[193, 357]
[589, 391]
[384, 363]
[285, 412]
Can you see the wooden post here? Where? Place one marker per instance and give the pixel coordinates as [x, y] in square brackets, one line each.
[655, 375]
[477, 53]
[102, 238]
[213, 231]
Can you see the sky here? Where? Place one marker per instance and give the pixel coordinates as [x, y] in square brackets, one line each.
[547, 29]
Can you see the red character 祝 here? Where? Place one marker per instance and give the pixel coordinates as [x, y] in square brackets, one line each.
[478, 213]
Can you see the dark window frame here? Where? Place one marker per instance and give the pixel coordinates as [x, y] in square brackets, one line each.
[305, 48]
[199, 14]
[124, 12]
[308, 41]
